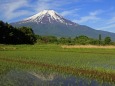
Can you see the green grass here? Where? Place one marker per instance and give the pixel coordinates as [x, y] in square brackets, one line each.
[96, 59]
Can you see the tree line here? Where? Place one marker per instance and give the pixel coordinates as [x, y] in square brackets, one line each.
[25, 35]
[13, 35]
[78, 40]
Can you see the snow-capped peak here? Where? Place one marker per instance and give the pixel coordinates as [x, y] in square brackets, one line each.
[42, 14]
[47, 16]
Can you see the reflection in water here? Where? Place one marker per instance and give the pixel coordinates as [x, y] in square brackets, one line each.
[22, 78]
[44, 76]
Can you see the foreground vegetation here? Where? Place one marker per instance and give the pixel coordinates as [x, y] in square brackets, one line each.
[86, 61]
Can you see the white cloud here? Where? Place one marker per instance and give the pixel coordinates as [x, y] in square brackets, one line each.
[109, 25]
[109, 28]
[52, 4]
[91, 17]
[97, 12]
[86, 18]
[9, 10]
[65, 13]
[69, 12]
[111, 21]
[42, 5]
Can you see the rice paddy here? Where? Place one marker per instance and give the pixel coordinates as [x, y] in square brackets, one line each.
[91, 62]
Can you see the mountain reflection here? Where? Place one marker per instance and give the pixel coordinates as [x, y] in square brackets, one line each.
[30, 78]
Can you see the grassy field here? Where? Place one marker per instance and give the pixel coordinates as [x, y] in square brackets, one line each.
[58, 57]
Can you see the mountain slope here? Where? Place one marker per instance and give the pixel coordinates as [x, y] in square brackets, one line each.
[48, 22]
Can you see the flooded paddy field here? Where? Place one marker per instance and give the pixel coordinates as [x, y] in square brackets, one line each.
[52, 65]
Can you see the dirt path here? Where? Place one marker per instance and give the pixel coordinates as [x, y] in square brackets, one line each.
[66, 69]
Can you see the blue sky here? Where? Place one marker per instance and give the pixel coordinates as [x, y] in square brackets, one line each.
[98, 14]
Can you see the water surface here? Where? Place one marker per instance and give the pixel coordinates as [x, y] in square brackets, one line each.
[39, 78]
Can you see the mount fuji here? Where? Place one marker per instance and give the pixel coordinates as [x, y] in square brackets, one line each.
[49, 22]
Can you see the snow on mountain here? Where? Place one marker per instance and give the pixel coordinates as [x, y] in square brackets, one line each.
[47, 16]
